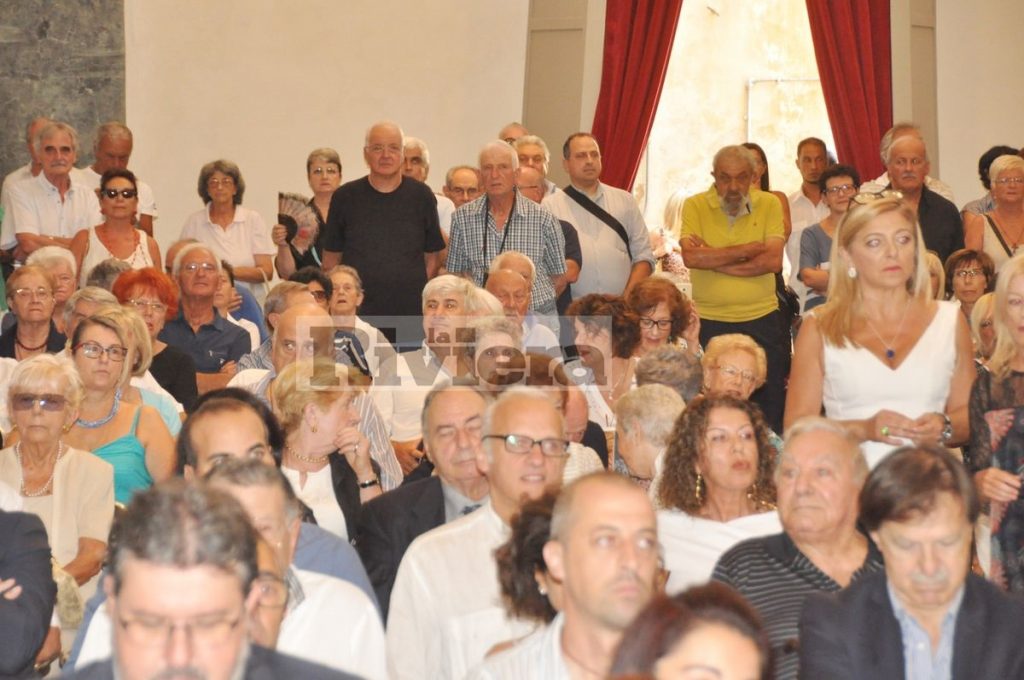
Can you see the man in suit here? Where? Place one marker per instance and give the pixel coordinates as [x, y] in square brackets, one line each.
[925, 616]
[180, 592]
[452, 421]
[27, 592]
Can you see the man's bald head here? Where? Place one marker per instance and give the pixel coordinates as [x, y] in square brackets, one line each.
[512, 290]
[531, 183]
[302, 331]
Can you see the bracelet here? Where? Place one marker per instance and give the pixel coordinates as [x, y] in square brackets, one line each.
[947, 428]
[369, 483]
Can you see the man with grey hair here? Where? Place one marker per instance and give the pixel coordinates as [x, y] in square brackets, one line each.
[27, 171]
[674, 367]
[819, 477]
[511, 132]
[112, 150]
[898, 130]
[462, 185]
[386, 226]
[214, 343]
[446, 610]
[50, 208]
[186, 558]
[510, 279]
[502, 221]
[282, 296]
[613, 236]
[416, 165]
[533, 153]
[732, 241]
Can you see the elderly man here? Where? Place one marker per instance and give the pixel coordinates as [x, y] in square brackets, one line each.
[214, 343]
[880, 182]
[533, 153]
[186, 559]
[926, 615]
[50, 208]
[445, 608]
[27, 171]
[416, 165]
[613, 236]
[500, 221]
[282, 296]
[462, 184]
[732, 241]
[385, 225]
[452, 422]
[604, 552]
[112, 150]
[511, 279]
[511, 132]
[806, 205]
[818, 478]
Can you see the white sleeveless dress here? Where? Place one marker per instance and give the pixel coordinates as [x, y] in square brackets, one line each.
[858, 384]
[98, 252]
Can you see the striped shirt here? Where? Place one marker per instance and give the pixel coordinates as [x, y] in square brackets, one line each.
[776, 578]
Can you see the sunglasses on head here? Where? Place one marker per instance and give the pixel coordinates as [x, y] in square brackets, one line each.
[125, 193]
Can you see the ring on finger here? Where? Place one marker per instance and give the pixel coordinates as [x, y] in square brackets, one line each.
[885, 430]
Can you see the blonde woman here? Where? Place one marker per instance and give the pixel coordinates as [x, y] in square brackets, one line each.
[883, 357]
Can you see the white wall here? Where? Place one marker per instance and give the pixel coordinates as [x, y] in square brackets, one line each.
[980, 97]
[263, 83]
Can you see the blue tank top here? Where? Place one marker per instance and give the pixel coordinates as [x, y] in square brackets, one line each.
[128, 456]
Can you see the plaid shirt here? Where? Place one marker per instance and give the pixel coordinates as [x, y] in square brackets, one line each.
[531, 230]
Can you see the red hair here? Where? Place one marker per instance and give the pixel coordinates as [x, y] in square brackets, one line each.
[148, 278]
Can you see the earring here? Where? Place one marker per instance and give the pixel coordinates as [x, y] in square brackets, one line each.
[313, 428]
[698, 490]
[542, 590]
[852, 272]
[752, 494]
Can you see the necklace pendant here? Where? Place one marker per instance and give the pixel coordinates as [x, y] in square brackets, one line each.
[890, 353]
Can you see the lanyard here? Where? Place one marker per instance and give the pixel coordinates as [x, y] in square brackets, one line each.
[504, 235]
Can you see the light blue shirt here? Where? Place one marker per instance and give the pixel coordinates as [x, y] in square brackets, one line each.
[920, 662]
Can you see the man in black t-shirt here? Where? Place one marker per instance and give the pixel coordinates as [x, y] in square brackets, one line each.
[385, 225]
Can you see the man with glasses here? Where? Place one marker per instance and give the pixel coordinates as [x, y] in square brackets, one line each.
[446, 610]
[386, 226]
[214, 343]
[732, 242]
[180, 592]
[462, 184]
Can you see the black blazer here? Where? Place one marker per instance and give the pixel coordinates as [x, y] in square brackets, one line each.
[263, 664]
[389, 524]
[853, 634]
[346, 490]
[25, 620]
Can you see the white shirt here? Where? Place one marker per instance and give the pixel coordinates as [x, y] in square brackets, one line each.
[537, 656]
[445, 210]
[10, 499]
[692, 545]
[245, 237]
[147, 202]
[803, 213]
[538, 337]
[36, 207]
[12, 178]
[318, 495]
[401, 403]
[249, 327]
[582, 461]
[446, 610]
[606, 264]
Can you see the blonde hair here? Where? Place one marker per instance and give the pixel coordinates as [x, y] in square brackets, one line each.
[936, 269]
[1005, 349]
[835, 317]
[984, 306]
[316, 381]
[115, 320]
[37, 374]
[735, 342]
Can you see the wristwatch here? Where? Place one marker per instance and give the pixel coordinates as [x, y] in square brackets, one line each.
[373, 481]
[947, 429]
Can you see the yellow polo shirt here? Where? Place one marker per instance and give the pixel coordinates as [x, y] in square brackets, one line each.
[723, 297]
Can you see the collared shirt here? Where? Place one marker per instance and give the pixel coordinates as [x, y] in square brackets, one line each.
[455, 504]
[606, 263]
[12, 178]
[537, 656]
[530, 229]
[36, 207]
[802, 214]
[775, 577]
[724, 297]
[212, 346]
[401, 403]
[238, 243]
[920, 662]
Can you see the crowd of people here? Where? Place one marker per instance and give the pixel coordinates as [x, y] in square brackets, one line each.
[510, 430]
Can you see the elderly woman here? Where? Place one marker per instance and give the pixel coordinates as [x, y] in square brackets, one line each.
[881, 356]
[154, 295]
[983, 331]
[344, 305]
[969, 275]
[716, 486]
[495, 352]
[1000, 231]
[61, 265]
[644, 420]
[117, 236]
[303, 247]
[664, 315]
[70, 489]
[734, 364]
[30, 298]
[325, 457]
[232, 233]
[131, 437]
[673, 367]
[838, 184]
[996, 437]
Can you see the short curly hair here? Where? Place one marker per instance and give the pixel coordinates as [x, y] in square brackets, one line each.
[522, 556]
[679, 474]
[646, 295]
[625, 325]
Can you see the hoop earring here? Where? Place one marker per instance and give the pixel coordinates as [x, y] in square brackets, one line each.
[698, 490]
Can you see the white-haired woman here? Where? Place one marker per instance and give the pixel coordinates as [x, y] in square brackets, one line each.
[882, 357]
[644, 420]
[1000, 231]
[61, 265]
[301, 246]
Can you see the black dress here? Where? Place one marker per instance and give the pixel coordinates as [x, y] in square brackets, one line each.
[176, 373]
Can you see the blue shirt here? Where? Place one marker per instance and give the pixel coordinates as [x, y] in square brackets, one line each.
[920, 662]
[214, 345]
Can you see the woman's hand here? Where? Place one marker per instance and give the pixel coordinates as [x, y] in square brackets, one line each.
[692, 332]
[999, 423]
[997, 485]
[279, 235]
[354, 445]
[9, 589]
[927, 429]
[889, 427]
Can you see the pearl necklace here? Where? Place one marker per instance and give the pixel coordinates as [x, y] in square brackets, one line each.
[305, 459]
[49, 482]
[93, 424]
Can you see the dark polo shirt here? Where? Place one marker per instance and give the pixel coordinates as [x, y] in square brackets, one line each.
[213, 346]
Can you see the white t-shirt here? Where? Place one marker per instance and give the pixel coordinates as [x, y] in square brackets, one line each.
[36, 207]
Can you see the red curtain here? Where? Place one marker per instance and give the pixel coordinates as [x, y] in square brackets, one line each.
[851, 46]
[638, 36]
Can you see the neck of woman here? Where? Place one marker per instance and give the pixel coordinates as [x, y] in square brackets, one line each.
[322, 201]
[967, 308]
[118, 225]
[298, 442]
[97, 403]
[1011, 211]
[33, 333]
[38, 455]
[725, 506]
[884, 302]
[222, 214]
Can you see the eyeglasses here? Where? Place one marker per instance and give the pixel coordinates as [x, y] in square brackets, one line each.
[647, 323]
[206, 632]
[32, 293]
[193, 267]
[1010, 180]
[125, 193]
[47, 402]
[377, 149]
[867, 197]
[94, 350]
[841, 189]
[746, 376]
[968, 273]
[215, 183]
[551, 447]
[328, 170]
[272, 589]
[143, 305]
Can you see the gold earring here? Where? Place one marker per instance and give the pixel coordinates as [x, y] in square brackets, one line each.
[313, 427]
[698, 490]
